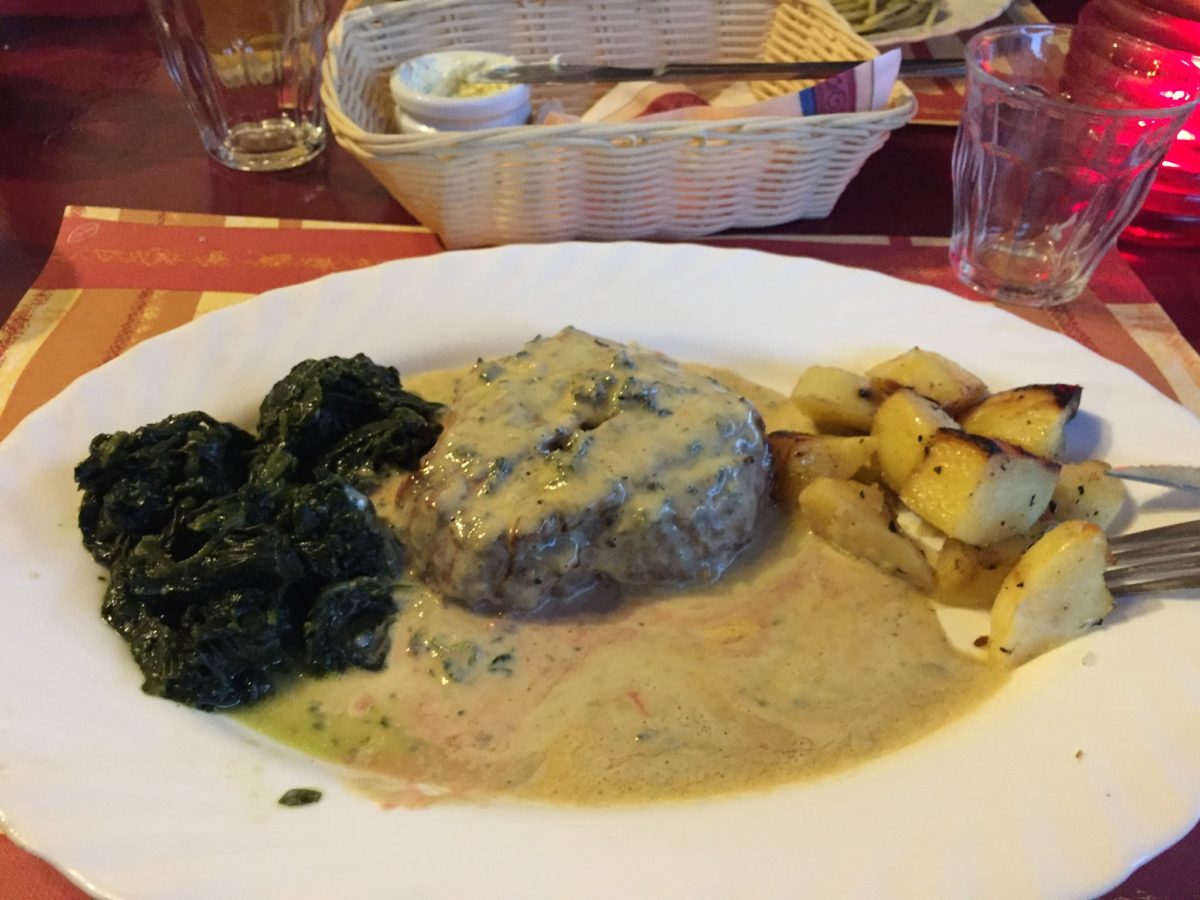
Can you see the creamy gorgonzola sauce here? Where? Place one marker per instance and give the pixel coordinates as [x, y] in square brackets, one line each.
[799, 662]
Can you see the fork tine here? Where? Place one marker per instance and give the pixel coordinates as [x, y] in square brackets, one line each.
[1181, 531]
[1148, 552]
[1158, 559]
[1124, 582]
[1167, 574]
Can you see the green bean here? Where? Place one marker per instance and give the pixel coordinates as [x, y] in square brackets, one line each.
[872, 16]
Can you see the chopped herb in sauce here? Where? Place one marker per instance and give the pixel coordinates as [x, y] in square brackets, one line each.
[502, 664]
[458, 661]
[300, 797]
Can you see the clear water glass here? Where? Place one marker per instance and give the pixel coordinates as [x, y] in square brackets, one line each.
[1059, 142]
[250, 72]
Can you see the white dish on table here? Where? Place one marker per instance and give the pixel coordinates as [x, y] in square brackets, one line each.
[136, 797]
[433, 93]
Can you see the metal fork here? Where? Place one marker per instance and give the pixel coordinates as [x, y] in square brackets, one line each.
[1158, 559]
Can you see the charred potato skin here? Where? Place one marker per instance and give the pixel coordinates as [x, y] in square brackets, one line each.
[903, 425]
[1033, 417]
[977, 489]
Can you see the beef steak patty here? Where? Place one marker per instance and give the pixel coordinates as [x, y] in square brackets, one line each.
[579, 463]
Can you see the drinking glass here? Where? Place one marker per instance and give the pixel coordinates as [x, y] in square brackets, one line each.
[250, 73]
[1058, 144]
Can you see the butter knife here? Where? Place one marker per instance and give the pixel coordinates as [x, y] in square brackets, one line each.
[568, 73]
[1186, 477]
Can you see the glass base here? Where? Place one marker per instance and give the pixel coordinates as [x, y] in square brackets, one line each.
[269, 145]
[997, 282]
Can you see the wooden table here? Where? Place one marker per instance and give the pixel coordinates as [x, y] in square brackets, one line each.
[90, 117]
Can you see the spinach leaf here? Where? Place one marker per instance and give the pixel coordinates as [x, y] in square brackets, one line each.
[237, 562]
[397, 442]
[350, 416]
[348, 625]
[212, 627]
[134, 483]
[251, 587]
[337, 534]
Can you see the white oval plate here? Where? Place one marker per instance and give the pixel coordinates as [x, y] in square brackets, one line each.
[135, 797]
[960, 15]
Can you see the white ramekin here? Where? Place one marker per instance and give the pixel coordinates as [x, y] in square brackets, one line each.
[423, 87]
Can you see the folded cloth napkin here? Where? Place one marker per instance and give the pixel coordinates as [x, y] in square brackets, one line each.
[865, 87]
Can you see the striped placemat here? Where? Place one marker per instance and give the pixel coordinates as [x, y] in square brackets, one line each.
[118, 276]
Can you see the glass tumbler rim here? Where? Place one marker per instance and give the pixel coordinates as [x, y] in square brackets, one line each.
[975, 70]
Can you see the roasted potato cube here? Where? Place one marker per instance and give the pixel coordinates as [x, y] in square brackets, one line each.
[931, 375]
[799, 458]
[1033, 417]
[855, 517]
[1055, 592]
[977, 489]
[1085, 491]
[839, 402]
[971, 576]
[903, 425]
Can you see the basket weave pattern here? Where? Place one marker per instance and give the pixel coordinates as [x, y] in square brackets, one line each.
[603, 181]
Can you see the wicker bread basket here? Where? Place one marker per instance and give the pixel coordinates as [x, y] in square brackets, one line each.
[603, 181]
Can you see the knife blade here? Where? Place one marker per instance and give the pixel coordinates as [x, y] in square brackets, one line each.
[567, 73]
[1186, 477]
